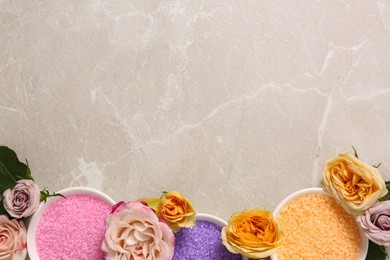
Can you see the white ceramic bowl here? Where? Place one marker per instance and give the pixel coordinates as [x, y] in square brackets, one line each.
[210, 218]
[363, 238]
[32, 226]
[215, 220]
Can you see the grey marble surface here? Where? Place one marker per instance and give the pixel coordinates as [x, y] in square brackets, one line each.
[236, 104]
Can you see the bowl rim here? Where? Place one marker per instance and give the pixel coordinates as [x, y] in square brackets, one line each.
[34, 219]
[211, 218]
[317, 190]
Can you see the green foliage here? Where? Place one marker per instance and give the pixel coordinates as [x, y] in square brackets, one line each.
[46, 194]
[8, 180]
[376, 252]
[12, 170]
[2, 209]
[163, 194]
[11, 162]
[387, 196]
[355, 152]
[377, 165]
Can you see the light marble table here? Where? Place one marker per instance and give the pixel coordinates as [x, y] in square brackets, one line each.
[236, 104]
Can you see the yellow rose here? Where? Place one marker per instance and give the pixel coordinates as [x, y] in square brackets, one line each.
[176, 210]
[353, 183]
[252, 233]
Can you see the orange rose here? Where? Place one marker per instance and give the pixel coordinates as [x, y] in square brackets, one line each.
[176, 210]
[252, 233]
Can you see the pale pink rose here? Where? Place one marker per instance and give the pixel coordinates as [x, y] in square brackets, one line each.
[12, 239]
[134, 232]
[376, 223]
[23, 200]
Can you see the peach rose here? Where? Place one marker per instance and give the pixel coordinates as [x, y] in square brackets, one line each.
[12, 239]
[133, 231]
[252, 233]
[354, 184]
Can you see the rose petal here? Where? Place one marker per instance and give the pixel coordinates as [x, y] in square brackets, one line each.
[134, 230]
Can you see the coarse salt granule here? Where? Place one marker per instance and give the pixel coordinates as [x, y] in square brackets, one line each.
[202, 241]
[315, 226]
[72, 228]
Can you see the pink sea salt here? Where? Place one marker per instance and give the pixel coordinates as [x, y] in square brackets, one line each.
[72, 228]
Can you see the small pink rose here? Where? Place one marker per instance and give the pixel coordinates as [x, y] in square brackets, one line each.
[133, 231]
[12, 239]
[23, 200]
[376, 223]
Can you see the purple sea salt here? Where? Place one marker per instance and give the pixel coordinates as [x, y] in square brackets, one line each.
[202, 241]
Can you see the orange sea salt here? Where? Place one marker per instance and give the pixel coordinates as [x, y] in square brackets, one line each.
[316, 227]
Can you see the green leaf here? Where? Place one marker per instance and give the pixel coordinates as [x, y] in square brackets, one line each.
[376, 252]
[163, 194]
[387, 196]
[11, 162]
[2, 209]
[8, 181]
[355, 152]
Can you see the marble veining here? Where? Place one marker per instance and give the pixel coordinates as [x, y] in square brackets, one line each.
[235, 104]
